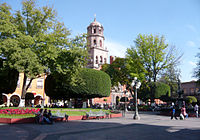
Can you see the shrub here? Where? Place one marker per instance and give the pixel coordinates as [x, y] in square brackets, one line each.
[191, 99]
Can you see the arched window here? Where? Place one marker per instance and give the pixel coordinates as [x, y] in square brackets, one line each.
[94, 31]
[104, 60]
[99, 31]
[96, 59]
[95, 42]
[101, 59]
[100, 43]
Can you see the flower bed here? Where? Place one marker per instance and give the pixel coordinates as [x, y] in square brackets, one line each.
[18, 113]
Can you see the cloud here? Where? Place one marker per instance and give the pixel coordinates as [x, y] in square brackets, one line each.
[192, 63]
[190, 44]
[192, 28]
[116, 48]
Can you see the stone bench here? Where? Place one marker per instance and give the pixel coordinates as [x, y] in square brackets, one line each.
[96, 115]
[58, 116]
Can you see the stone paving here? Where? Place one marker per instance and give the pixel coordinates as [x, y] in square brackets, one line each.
[151, 127]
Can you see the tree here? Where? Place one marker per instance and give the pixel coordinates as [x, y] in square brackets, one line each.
[8, 80]
[150, 56]
[117, 71]
[170, 77]
[161, 91]
[93, 83]
[197, 69]
[33, 41]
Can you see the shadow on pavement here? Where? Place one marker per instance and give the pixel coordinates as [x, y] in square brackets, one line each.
[90, 130]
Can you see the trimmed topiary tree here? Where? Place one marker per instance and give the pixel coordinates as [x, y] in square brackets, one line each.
[93, 83]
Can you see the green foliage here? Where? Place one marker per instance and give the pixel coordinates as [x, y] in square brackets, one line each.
[170, 77]
[33, 41]
[95, 84]
[149, 57]
[117, 71]
[160, 90]
[92, 83]
[191, 99]
[197, 69]
[8, 82]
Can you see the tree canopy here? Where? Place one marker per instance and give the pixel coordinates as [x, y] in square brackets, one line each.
[93, 83]
[34, 42]
[197, 69]
[170, 77]
[150, 55]
[117, 71]
[161, 91]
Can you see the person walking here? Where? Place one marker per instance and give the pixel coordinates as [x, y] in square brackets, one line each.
[173, 113]
[196, 109]
[183, 114]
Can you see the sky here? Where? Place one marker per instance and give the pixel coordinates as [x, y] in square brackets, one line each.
[123, 20]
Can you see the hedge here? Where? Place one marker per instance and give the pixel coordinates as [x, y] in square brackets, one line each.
[94, 83]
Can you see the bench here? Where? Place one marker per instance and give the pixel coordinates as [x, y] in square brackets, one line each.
[58, 116]
[98, 114]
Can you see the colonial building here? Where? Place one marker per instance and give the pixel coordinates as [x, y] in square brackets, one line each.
[34, 96]
[191, 88]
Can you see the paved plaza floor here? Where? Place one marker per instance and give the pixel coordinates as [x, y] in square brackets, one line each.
[150, 127]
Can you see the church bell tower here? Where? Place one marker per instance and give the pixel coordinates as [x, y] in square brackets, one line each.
[95, 40]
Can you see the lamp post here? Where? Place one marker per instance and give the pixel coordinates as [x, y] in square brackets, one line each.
[125, 100]
[136, 84]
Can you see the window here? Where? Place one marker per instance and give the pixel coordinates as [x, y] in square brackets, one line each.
[101, 59]
[197, 90]
[94, 31]
[100, 43]
[40, 83]
[185, 91]
[192, 90]
[96, 59]
[99, 31]
[104, 60]
[95, 42]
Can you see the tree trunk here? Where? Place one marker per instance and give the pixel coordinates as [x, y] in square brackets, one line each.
[24, 87]
[24, 90]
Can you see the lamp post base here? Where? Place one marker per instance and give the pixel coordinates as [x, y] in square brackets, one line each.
[136, 116]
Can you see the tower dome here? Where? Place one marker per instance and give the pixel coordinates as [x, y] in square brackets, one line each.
[95, 23]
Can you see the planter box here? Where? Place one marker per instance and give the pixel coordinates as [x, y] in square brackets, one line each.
[17, 120]
[115, 115]
[32, 119]
[75, 117]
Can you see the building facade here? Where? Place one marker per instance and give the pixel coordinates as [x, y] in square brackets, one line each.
[34, 96]
[191, 88]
